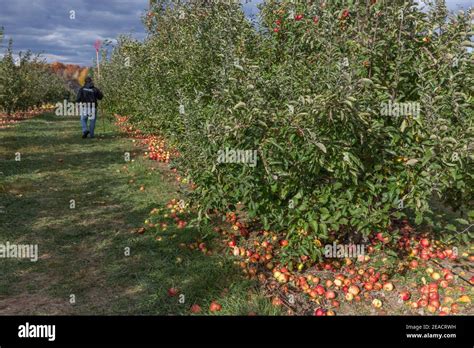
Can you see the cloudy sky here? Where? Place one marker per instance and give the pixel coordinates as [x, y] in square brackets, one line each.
[65, 30]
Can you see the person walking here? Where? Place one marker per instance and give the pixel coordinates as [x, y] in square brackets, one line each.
[88, 96]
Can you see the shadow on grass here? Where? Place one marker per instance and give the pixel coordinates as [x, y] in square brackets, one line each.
[91, 251]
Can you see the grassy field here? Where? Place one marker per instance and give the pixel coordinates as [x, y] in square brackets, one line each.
[82, 250]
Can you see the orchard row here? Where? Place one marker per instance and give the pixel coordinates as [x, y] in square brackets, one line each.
[330, 166]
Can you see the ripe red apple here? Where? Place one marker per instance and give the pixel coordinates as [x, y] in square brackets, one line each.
[435, 303]
[195, 308]
[172, 292]
[320, 290]
[330, 295]
[448, 277]
[422, 303]
[413, 264]
[425, 257]
[215, 307]
[328, 267]
[284, 242]
[405, 295]
[345, 14]
[444, 284]
[319, 312]
[373, 279]
[354, 290]
[425, 243]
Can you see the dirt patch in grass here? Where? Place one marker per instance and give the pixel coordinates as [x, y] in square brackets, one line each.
[28, 304]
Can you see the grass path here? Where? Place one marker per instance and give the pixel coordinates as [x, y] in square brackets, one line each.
[82, 250]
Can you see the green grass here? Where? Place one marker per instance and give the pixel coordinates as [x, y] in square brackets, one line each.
[82, 250]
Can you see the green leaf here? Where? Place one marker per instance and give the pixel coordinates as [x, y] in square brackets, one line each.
[462, 221]
[451, 227]
[324, 229]
[314, 226]
[366, 81]
[321, 147]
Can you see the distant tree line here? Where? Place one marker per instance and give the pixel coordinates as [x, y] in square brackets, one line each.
[27, 81]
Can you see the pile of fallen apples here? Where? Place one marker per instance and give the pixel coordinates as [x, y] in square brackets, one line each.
[175, 212]
[414, 276]
[370, 278]
[156, 149]
[7, 121]
[123, 124]
[156, 146]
